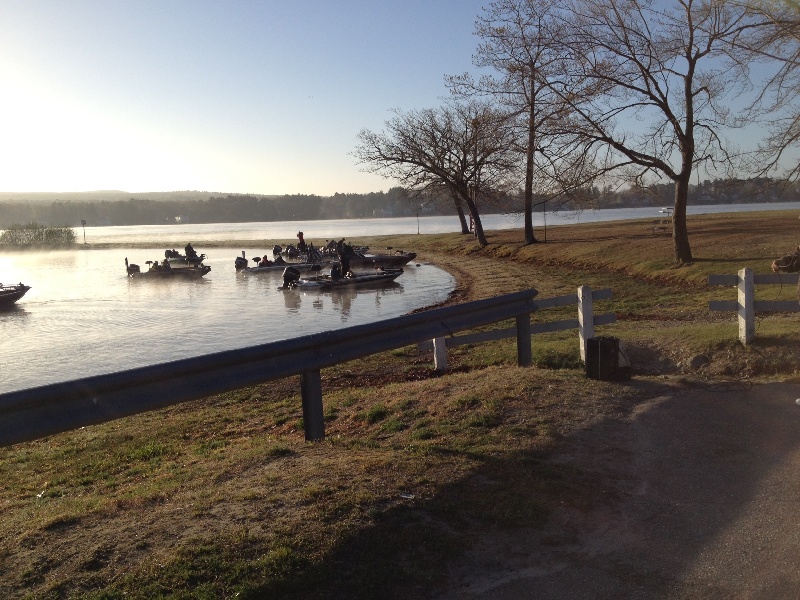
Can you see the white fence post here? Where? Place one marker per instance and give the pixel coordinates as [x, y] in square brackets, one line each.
[439, 354]
[585, 318]
[747, 308]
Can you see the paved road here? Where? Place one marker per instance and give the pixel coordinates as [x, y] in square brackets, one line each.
[699, 498]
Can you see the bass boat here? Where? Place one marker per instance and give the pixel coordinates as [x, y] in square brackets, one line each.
[292, 279]
[360, 256]
[9, 294]
[398, 259]
[271, 266]
[176, 260]
[165, 270]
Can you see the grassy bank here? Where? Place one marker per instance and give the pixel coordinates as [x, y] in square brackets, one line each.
[223, 496]
[35, 235]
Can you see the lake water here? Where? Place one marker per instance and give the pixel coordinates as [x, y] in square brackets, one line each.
[83, 316]
[319, 231]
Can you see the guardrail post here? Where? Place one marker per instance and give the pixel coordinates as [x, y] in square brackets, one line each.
[585, 318]
[746, 309]
[524, 355]
[311, 393]
[440, 354]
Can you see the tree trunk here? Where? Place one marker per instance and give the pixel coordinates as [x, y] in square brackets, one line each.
[530, 238]
[476, 218]
[461, 217]
[680, 234]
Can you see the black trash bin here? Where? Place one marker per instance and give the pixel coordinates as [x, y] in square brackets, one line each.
[605, 360]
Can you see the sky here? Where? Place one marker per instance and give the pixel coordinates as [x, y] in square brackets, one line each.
[237, 96]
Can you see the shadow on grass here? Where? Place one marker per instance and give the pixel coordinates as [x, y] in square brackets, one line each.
[659, 487]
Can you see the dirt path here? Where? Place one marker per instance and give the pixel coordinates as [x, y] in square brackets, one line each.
[698, 496]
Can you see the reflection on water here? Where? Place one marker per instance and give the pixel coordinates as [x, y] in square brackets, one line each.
[84, 316]
[341, 300]
[292, 302]
[14, 311]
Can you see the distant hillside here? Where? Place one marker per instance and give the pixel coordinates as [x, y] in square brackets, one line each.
[122, 208]
[104, 196]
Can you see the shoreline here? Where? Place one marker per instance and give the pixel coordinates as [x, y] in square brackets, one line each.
[406, 227]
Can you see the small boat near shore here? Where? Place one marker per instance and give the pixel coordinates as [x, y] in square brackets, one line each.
[9, 294]
[357, 258]
[302, 267]
[165, 270]
[277, 265]
[398, 259]
[334, 280]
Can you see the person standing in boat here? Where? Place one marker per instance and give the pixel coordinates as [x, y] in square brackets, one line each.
[190, 253]
[344, 257]
[301, 244]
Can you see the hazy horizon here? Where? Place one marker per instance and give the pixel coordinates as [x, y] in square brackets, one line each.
[262, 96]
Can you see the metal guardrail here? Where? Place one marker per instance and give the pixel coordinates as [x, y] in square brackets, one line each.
[37, 412]
[746, 306]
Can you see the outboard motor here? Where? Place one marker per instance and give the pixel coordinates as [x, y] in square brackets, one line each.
[133, 268]
[240, 262]
[336, 271]
[276, 250]
[290, 277]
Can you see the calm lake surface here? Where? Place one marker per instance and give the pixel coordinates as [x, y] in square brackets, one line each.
[319, 231]
[83, 316]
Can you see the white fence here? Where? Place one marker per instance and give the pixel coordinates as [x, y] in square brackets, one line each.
[585, 324]
[746, 306]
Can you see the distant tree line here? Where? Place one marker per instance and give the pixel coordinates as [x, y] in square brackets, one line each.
[397, 202]
[758, 190]
[231, 208]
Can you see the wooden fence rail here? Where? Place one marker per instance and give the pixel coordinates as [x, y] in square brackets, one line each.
[746, 306]
[584, 323]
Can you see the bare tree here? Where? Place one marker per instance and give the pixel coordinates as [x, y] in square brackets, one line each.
[777, 44]
[465, 147]
[652, 84]
[521, 42]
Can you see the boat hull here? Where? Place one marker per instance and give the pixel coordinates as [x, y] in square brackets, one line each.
[326, 282]
[302, 267]
[166, 270]
[185, 273]
[382, 260]
[9, 294]
[181, 262]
